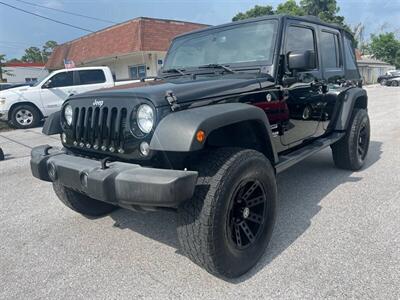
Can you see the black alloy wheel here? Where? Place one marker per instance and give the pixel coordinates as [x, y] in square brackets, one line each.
[247, 214]
[363, 142]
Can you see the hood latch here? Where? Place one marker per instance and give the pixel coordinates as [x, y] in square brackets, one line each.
[172, 100]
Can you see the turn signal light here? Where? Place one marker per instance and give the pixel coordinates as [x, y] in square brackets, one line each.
[200, 136]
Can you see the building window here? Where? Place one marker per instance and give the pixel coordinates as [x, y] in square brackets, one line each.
[137, 72]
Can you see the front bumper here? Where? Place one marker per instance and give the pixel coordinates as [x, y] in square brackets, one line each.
[3, 115]
[119, 183]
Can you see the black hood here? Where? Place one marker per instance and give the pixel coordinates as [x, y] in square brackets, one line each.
[185, 88]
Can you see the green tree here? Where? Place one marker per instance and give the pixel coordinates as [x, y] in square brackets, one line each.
[32, 54]
[289, 7]
[48, 49]
[2, 70]
[326, 10]
[256, 11]
[386, 47]
[397, 59]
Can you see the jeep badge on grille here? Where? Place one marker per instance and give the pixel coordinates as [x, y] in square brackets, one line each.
[97, 103]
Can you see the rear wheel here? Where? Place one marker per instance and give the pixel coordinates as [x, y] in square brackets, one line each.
[227, 225]
[395, 83]
[82, 203]
[25, 116]
[350, 151]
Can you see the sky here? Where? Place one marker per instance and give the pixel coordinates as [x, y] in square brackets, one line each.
[19, 30]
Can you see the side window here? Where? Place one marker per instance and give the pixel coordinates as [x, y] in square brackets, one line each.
[60, 80]
[91, 77]
[300, 39]
[330, 53]
[349, 54]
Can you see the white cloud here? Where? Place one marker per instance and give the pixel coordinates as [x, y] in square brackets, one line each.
[53, 3]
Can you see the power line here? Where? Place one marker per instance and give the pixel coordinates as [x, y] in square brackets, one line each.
[46, 18]
[67, 12]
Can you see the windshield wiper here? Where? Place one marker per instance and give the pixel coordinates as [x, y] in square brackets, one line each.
[217, 66]
[174, 70]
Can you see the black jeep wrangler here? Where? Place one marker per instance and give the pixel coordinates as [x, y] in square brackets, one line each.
[233, 106]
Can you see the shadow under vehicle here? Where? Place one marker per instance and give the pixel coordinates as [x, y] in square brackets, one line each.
[234, 106]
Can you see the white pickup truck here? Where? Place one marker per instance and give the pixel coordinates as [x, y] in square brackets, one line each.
[25, 107]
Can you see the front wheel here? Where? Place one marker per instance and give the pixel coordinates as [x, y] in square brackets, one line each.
[25, 116]
[383, 82]
[350, 151]
[226, 226]
[81, 203]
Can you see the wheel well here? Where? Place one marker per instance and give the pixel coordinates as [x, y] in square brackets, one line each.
[361, 102]
[23, 103]
[247, 134]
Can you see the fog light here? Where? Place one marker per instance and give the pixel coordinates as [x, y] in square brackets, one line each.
[112, 149]
[81, 144]
[64, 138]
[104, 148]
[120, 150]
[51, 169]
[88, 145]
[75, 143]
[95, 147]
[145, 148]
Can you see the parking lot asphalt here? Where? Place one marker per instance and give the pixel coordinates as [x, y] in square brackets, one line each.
[337, 233]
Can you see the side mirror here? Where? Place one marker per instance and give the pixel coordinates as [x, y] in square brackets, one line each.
[47, 84]
[301, 60]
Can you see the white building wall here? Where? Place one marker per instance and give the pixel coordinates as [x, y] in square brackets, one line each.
[120, 65]
[19, 74]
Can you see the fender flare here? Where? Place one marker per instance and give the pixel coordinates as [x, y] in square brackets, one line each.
[348, 99]
[177, 131]
[52, 125]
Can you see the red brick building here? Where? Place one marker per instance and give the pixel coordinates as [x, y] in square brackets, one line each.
[131, 49]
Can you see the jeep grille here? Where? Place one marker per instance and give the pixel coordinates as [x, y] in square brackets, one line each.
[100, 128]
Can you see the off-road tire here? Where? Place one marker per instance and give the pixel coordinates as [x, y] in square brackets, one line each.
[202, 221]
[33, 111]
[81, 203]
[345, 152]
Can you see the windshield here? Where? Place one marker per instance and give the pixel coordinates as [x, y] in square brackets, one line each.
[242, 43]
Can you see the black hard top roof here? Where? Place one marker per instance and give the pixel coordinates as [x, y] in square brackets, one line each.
[309, 19]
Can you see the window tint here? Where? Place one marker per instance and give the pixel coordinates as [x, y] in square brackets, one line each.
[299, 39]
[61, 79]
[91, 77]
[349, 54]
[330, 50]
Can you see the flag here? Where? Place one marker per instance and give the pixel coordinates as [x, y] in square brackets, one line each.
[69, 64]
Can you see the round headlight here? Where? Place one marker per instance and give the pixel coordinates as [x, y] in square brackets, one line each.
[68, 114]
[145, 118]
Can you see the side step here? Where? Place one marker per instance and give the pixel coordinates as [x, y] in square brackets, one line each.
[288, 160]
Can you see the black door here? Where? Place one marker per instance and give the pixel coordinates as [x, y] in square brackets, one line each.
[305, 95]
